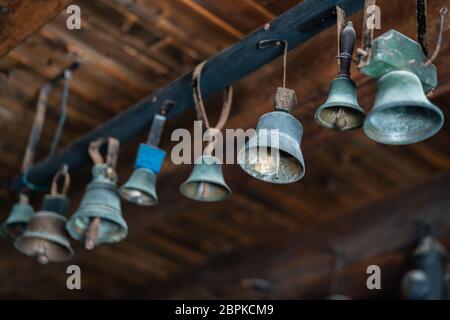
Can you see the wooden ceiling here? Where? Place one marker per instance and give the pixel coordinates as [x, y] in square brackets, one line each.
[358, 196]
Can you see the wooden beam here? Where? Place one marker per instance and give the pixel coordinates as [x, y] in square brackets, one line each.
[24, 18]
[298, 266]
[297, 25]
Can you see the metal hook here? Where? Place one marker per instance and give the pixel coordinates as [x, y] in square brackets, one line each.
[443, 13]
[62, 173]
[264, 44]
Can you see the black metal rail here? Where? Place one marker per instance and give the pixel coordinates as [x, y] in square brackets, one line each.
[297, 25]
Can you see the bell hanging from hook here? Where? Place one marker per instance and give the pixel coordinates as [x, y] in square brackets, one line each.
[45, 237]
[141, 186]
[341, 111]
[99, 218]
[273, 154]
[20, 214]
[402, 114]
[206, 182]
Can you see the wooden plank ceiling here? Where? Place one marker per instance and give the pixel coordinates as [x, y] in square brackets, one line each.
[357, 195]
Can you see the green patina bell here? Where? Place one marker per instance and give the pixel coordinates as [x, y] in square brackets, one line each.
[99, 215]
[273, 154]
[206, 182]
[341, 111]
[45, 237]
[402, 114]
[18, 218]
[140, 187]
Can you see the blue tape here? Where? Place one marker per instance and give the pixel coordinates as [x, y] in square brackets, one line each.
[150, 158]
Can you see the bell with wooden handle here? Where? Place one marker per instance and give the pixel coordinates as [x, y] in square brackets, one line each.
[141, 186]
[273, 154]
[402, 114]
[341, 111]
[18, 218]
[99, 218]
[45, 237]
[206, 182]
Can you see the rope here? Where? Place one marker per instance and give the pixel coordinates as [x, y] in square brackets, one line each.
[198, 100]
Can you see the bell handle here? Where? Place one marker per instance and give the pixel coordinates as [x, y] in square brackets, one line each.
[347, 46]
[62, 173]
[111, 153]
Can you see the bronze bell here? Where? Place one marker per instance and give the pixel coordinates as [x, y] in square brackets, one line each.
[15, 224]
[341, 111]
[273, 154]
[45, 237]
[206, 182]
[99, 218]
[402, 114]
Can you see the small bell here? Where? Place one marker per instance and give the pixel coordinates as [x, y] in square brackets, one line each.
[45, 237]
[17, 220]
[99, 217]
[341, 111]
[273, 154]
[141, 186]
[402, 114]
[206, 182]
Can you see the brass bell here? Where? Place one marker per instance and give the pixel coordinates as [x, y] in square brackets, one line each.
[273, 154]
[402, 114]
[341, 111]
[206, 182]
[17, 220]
[99, 217]
[141, 186]
[45, 237]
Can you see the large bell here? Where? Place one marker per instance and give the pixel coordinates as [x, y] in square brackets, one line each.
[341, 111]
[45, 237]
[18, 218]
[273, 154]
[402, 114]
[100, 204]
[140, 187]
[206, 182]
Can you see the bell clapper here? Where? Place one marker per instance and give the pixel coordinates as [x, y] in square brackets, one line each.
[92, 234]
[340, 122]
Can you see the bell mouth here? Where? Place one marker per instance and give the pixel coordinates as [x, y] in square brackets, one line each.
[44, 250]
[272, 165]
[109, 231]
[340, 118]
[138, 197]
[205, 191]
[406, 124]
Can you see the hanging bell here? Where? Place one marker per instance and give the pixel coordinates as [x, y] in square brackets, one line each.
[45, 237]
[18, 218]
[206, 182]
[99, 216]
[141, 186]
[402, 114]
[273, 154]
[341, 111]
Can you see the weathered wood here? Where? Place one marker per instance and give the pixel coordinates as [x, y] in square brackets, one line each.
[24, 19]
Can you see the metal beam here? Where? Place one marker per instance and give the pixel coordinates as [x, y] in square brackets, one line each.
[296, 25]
